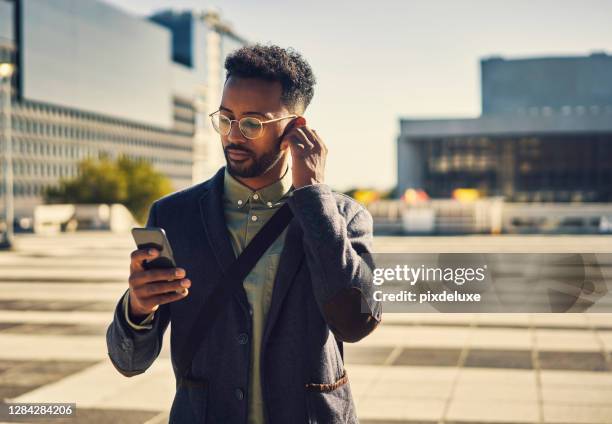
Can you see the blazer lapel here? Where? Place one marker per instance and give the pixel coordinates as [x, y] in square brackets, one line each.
[291, 257]
[213, 219]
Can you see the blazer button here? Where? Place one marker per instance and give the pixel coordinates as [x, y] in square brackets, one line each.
[239, 394]
[242, 338]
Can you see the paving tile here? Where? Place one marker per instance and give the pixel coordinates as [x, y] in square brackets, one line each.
[500, 411]
[8, 391]
[98, 416]
[587, 361]
[60, 329]
[490, 338]
[480, 422]
[557, 378]
[585, 396]
[21, 378]
[59, 291]
[52, 347]
[466, 391]
[376, 421]
[39, 305]
[101, 386]
[576, 414]
[401, 409]
[446, 319]
[567, 340]
[366, 355]
[559, 320]
[66, 367]
[418, 337]
[429, 357]
[362, 378]
[510, 320]
[407, 390]
[99, 306]
[7, 325]
[110, 416]
[499, 376]
[599, 319]
[606, 338]
[33, 374]
[59, 317]
[418, 375]
[8, 364]
[67, 274]
[498, 359]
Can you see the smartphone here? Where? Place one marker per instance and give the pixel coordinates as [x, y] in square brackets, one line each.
[153, 237]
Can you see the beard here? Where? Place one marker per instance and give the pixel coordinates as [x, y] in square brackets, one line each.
[252, 166]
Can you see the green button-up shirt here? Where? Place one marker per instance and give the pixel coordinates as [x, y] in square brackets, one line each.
[246, 212]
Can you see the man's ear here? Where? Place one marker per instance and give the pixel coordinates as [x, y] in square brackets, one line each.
[284, 143]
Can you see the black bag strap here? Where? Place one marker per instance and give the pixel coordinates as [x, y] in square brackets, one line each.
[231, 281]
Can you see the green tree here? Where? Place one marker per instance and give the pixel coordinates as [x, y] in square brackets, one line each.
[144, 186]
[133, 183]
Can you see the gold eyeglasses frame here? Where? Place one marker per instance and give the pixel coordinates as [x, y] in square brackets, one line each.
[261, 123]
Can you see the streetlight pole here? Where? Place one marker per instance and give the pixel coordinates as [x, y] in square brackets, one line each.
[6, 72]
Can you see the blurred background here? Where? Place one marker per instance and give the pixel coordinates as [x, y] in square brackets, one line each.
[463, 126]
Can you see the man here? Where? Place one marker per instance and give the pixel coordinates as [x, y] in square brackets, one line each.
[275, 354]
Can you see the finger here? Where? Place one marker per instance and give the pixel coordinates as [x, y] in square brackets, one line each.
[144, 277]
[314, 137]
[157, 288]
[137, 257]
[296, 122]
[160, 299]
[300, 140]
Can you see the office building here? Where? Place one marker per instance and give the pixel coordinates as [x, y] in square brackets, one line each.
[545, 134]
[91, 79]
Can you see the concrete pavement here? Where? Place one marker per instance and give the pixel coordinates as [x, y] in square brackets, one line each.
[57, 295]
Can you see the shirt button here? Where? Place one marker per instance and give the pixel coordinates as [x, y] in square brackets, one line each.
[254, 218]
[239, 202]
[242, 338]
[256, 196]
[239, 394]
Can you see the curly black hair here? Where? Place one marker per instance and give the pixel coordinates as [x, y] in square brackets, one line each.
[274, 63]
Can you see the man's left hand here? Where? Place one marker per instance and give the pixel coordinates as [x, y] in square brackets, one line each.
[308, 154]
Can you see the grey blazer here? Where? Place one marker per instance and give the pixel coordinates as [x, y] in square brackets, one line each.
[318, 296]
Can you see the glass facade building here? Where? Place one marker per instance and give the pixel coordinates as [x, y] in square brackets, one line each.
[93, 80]
[545, 134]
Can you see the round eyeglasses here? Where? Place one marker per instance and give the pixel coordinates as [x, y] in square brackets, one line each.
[249, 126]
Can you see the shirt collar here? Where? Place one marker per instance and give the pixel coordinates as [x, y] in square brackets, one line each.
[239, 194]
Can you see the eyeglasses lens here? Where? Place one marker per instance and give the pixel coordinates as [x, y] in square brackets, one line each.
[249, 127]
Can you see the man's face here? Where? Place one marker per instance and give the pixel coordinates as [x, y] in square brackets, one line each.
[261, 99]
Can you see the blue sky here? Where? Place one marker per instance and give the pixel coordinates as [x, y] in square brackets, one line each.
[378, 61]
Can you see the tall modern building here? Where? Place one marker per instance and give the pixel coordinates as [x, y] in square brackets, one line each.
[92, 79]
[545, 134]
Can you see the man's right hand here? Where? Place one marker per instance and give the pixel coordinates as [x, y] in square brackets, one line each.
[154, 287]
